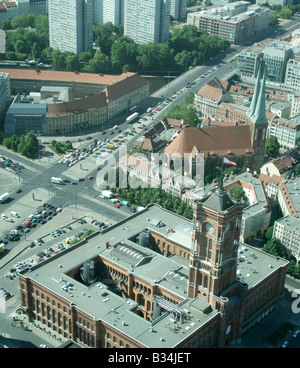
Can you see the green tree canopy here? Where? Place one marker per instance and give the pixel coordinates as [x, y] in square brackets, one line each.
[236, 191]
[275, 248]
[272, 147]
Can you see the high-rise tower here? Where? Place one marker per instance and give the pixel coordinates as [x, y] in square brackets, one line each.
[71, 25]
[147, 21]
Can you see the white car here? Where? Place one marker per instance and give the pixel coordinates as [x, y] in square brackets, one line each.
[284, 345]
[43, 346]
[8, 219]
[58, 210]
[296, 333]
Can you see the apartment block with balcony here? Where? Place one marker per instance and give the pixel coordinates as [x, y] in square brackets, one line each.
[237, 22]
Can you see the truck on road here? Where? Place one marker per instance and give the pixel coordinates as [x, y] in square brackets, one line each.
[4, 197]
[56, 180]
[107, 194]
[132, 117]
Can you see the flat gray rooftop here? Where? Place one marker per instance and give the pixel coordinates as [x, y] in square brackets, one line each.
[168, 273]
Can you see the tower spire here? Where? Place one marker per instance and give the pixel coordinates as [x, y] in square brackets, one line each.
[252, 107]
[259, 116]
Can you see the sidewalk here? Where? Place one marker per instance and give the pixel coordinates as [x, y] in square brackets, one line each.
[37, 328]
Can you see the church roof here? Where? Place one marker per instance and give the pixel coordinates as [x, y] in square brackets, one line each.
[211, 140]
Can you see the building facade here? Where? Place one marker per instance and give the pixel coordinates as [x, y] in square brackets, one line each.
[287, 131]
[287, 230]
[109, 11]
[22, 118]
[178, 9]
[238, 28]
[71, 25]
[256, 214]
[4, 94]
[105, 96]
[147, 21]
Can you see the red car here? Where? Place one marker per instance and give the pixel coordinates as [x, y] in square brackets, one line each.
[116, 205]
[91, 177]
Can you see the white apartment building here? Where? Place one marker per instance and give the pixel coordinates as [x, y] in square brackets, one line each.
[109, 11]
[287, 131]
[294, 102]
[287, 230]
[71, 25]
[147, 21]
[4, 94]
[288, 197]
[292, 76]
[178, 9]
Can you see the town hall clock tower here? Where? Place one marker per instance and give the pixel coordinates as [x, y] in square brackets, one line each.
[213, 258]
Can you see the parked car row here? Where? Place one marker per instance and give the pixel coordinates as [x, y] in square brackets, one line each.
[10, 165]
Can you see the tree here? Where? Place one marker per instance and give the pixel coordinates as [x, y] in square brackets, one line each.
[273, 19]
[236, 191]
[297, 170]
[269, 233]
[272, 147]
[100, 63]
[274, 247]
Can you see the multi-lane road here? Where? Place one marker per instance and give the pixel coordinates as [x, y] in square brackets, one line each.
[37, 174]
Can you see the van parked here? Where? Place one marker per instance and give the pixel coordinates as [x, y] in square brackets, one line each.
[14, 214]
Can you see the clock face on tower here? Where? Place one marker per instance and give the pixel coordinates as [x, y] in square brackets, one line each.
[209, 227]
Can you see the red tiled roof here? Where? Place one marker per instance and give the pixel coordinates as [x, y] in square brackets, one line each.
[51, 75]
[212, 140]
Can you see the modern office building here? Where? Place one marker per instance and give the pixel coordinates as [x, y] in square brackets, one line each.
[109, 11]
[147, 21]
[71, 25]
[22, 118]
[283, 65]
[4, 94]
[238, 22]
[157, 280]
